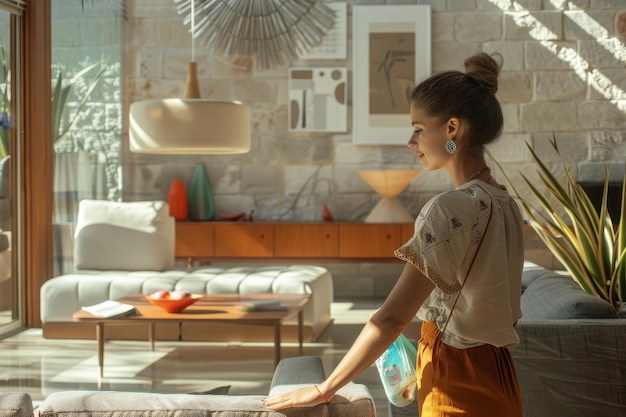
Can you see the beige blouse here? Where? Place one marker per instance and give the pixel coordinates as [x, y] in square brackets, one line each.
[448, 232]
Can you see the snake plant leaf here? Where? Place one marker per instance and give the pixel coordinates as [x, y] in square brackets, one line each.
[619, 275]
[587, 242]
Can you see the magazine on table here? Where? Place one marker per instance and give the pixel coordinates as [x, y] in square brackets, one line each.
[111, 308]
[263, 305]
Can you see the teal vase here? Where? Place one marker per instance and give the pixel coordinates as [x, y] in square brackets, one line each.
[200, 199]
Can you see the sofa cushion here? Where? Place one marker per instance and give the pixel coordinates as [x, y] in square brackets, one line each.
[531, 272]
[15, 404]
[350, 400]
[144, 404]
[621, 313]
[297, 372]
[555, 296]
[129, 236]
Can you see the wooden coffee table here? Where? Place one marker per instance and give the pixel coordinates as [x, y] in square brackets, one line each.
[220, 308]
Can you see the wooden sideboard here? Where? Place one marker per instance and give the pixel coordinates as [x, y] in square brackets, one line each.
[337, 241]
[321, 242]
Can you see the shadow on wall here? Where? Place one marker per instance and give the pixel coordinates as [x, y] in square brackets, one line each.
[595, 191]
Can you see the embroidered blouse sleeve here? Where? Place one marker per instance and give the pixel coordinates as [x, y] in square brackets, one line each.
[439, 246]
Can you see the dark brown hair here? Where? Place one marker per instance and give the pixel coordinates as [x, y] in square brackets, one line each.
[470, 96]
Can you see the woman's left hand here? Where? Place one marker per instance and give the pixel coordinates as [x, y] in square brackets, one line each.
[303, 397]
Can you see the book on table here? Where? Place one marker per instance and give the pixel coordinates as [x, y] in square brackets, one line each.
[111, 308]
[272, 304]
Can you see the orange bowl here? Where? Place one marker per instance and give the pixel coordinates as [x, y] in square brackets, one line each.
[174, 305]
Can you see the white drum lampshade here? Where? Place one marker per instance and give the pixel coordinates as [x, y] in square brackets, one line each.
[189, 126]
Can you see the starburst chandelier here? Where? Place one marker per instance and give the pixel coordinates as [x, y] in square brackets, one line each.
[273, 32]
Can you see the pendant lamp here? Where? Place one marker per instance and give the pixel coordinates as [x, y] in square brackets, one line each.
[189, 125]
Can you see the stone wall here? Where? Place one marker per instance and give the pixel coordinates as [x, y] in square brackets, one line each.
[563, 74]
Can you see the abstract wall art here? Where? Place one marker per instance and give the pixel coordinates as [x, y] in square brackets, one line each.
[318, 99]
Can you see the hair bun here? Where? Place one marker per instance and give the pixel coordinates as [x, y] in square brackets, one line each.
[484, 69]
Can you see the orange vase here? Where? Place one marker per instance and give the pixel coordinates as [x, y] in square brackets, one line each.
[177, 200]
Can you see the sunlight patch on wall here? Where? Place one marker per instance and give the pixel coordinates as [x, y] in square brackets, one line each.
[594, 77]
[600, 34]
[536, 29]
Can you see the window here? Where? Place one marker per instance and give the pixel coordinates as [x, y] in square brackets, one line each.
[87, 122]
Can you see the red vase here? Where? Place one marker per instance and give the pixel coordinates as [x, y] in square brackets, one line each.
[177, 200]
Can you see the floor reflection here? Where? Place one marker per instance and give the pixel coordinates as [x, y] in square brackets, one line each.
[39, 366]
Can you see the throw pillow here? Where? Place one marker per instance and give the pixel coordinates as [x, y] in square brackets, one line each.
[213, 391]
[556, 296]
[125, 236]
[531, 272]
[621, 313]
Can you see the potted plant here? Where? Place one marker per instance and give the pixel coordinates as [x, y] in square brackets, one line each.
[591, 247]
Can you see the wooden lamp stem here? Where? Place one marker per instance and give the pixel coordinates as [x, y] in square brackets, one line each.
[192, 89]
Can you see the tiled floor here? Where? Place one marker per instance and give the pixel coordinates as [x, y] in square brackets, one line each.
[40, 366]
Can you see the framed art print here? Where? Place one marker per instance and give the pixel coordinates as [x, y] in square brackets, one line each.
[390, 52]
[318, 99]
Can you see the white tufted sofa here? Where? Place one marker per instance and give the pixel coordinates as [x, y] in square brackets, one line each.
[128, 248]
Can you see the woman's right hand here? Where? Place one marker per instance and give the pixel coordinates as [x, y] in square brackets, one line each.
[303, 397]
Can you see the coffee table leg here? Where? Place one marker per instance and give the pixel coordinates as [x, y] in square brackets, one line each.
[100, 341]
[151, 335]
[276, 343]
[300, 330]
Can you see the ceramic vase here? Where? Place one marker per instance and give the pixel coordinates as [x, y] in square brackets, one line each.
[177, 200]
[200, 199]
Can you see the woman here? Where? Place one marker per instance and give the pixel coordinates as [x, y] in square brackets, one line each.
[463, 264]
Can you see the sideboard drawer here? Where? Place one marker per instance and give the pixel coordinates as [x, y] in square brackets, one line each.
[369, 240]
[306, 240]
[194, 239]
[248, 240]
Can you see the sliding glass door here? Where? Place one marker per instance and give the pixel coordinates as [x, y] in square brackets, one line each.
[10, 162]
[49, 43]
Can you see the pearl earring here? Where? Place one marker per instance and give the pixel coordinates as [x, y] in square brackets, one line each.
[450, 146]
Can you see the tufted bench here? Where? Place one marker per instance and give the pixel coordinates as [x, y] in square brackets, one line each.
[127, 248]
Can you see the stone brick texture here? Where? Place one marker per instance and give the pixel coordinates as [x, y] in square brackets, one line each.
[563, 75]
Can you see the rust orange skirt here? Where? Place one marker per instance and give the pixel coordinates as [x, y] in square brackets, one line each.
[479, 381]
